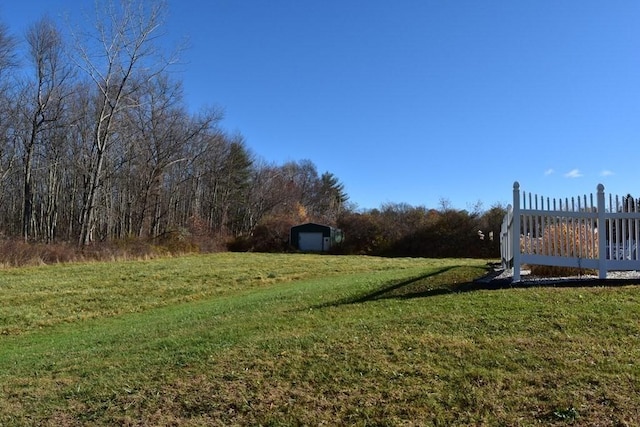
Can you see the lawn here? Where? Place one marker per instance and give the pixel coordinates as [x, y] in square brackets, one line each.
[261, 339]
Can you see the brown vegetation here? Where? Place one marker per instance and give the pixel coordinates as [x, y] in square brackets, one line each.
[572, 240]
[16, 253]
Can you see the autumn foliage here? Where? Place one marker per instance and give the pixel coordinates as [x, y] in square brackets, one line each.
[402, 230]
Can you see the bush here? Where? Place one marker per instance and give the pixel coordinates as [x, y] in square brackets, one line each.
[364, 233]
[240, 244]
[272, 235]
[14, 253]
[571, 240]
[574, 240]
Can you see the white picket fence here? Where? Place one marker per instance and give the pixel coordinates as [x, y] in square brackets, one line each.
[567, 232]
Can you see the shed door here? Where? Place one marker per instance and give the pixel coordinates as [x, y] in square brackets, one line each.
[310, 241]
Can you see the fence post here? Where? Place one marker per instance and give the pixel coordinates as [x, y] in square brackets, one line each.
[515, 232]
[602, 234]
[506, 252]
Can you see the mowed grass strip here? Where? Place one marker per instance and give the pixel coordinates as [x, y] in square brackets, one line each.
[396, 345]
[38, 297]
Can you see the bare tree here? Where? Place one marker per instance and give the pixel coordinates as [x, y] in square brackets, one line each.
[270, 193]
[121, 55]
[43, 99]
[161, 137]
[8, 142]
[8, 61]
[225, 170]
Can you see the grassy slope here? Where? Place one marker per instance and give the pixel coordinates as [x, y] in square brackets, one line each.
[288, 340]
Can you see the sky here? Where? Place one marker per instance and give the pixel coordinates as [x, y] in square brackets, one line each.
[416, 101]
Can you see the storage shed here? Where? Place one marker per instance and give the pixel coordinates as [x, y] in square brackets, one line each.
[311, 237]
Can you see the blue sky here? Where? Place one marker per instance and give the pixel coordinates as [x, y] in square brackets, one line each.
[416, 101]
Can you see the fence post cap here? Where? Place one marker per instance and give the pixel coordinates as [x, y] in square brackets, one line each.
[600, 188]
[516, 185]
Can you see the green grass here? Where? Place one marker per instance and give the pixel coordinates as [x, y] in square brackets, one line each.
[252, 339]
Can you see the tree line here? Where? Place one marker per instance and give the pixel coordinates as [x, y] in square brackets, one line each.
[98, 143]
[416, 231]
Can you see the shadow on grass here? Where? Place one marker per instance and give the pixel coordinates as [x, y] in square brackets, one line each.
[420, 286]
[443, 281]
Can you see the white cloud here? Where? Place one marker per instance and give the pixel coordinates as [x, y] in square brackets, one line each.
[548, 172]
[606, 173]
[575, 173]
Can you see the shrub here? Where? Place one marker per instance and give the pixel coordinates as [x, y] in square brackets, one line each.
[569, 239]
[16, 253]
[364, 233]
[272, 235]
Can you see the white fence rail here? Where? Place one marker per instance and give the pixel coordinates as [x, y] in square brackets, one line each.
[579, 232]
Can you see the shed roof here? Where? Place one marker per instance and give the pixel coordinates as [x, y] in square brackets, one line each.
[311, 225]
